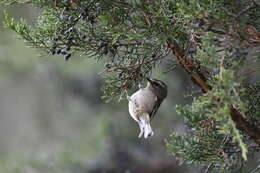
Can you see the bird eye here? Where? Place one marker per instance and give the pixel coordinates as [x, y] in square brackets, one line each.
[156, 84]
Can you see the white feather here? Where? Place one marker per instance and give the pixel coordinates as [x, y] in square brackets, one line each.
[145, 126]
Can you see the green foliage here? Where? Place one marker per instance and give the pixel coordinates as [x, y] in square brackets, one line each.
[195, 150]
[131, 38]
[38, 37]
[213, 130]
[252, 96]
[126, 35]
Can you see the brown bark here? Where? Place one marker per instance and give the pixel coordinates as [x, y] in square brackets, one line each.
[243, 125]
[189, 66]
[201, 81]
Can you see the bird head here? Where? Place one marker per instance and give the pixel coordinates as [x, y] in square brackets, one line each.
[158, 87]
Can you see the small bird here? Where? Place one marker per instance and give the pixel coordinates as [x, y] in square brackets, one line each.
[145, 102]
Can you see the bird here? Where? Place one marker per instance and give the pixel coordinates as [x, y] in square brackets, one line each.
[144, 103]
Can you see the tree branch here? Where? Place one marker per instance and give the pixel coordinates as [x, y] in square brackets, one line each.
[243, 125]
[208, 168]
[201, 81]
[189, 66]
[251, 6]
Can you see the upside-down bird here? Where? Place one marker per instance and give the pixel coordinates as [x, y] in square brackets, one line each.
[145, 102]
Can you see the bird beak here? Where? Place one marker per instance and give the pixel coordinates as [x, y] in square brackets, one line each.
[149, 80]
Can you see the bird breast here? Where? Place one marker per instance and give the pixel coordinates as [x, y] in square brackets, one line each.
[142, 101]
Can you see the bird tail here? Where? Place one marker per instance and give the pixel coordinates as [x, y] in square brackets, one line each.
[145, 126]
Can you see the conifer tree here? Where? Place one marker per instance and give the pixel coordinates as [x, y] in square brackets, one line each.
[216, 42]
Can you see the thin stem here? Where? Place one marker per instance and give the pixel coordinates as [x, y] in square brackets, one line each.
[251, 6]
[208, 168]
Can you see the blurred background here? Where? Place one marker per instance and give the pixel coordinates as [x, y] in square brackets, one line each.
[52, 118]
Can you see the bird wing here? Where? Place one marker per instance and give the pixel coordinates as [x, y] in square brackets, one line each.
[156, 107]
